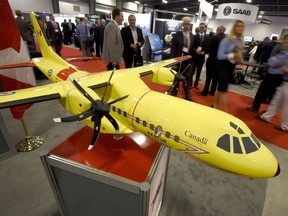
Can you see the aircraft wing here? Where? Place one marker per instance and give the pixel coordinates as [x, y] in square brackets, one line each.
[171, 62]
[31, 95]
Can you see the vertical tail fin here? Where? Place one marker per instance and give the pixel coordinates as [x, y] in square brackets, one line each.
[46, 49]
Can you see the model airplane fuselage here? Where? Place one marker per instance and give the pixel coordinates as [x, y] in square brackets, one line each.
[208, 135]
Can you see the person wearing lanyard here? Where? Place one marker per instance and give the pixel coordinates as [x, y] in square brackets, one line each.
[54, 34]
[133, 40]
[182, 44]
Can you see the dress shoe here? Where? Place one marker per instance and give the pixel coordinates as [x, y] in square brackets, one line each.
[189, 99]
[278, 127]
[196, 87]
[261, 119]
[204, 93]
[252, 109]
[212, 93]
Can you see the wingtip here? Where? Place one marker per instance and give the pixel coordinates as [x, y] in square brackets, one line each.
[56, 120]
[71, 77]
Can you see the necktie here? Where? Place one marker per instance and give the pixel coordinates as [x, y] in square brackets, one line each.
[201, 38]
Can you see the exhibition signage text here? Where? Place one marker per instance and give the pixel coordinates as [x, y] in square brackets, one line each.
[245, 12]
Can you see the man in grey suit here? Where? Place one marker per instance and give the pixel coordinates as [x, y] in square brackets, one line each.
[113, 44]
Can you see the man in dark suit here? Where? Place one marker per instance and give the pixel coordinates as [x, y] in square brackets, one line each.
[182, 44]
[133, 40]
[100, 40]
[198, 55]
[54, 34]
[212, 61]
[25, 28]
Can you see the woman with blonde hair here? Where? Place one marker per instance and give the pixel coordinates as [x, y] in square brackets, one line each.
[230, 52]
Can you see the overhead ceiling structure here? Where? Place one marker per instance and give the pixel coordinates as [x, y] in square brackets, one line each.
[266, 7]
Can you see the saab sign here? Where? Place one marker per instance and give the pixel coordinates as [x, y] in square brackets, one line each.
[245, 12]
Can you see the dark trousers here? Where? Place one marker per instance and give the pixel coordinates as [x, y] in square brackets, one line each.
[175, 86]
[195, 66]
[97, 48]
[267, 89]
[57, 44]
[132, 60]
[66, 38]
[211, 75]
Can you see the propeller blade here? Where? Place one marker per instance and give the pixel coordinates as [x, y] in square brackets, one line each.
[82, 90]
[173, 90]
[97, 123]
[117, 136]
[113, 121]
[172, 71]
[108, 83]
[77, 117]
[119, 99]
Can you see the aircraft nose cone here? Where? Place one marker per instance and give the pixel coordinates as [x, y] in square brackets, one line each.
[278, 170]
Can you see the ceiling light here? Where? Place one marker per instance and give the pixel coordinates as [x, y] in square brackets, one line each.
[185, 9]
[137, 2]
[260, 16]
[216, 9]
[249, 1]
[165, 1]
[197, 14]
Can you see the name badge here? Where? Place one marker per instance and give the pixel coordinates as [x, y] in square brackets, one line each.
[185, 49]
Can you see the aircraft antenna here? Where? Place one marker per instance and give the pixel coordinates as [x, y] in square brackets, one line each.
[108, 84]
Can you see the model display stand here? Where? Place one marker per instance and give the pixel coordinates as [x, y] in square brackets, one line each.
[117, 177]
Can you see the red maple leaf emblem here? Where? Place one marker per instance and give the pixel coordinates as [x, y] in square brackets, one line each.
[10, 35]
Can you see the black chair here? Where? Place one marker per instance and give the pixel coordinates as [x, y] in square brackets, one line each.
[257, 74]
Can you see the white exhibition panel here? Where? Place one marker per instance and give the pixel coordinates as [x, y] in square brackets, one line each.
[130, 6]
[257, 30]
[68, 8]
[31, 6]
[232, 11]
[107, 2]
[207, 8]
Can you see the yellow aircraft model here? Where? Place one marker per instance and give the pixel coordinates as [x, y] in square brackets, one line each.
[208, 135]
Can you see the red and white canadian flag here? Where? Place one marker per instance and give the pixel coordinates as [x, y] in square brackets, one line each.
[13, 50]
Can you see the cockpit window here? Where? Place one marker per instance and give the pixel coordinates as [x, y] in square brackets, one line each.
[224, 142]
[240, 131]
[256, 140]
[237, 146]
[249, 145]
[233, 125]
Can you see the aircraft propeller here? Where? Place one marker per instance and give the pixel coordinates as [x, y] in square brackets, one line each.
[178, 77]
[99, 109]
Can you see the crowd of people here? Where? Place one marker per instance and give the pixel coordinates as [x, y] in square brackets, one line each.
[224, 52]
